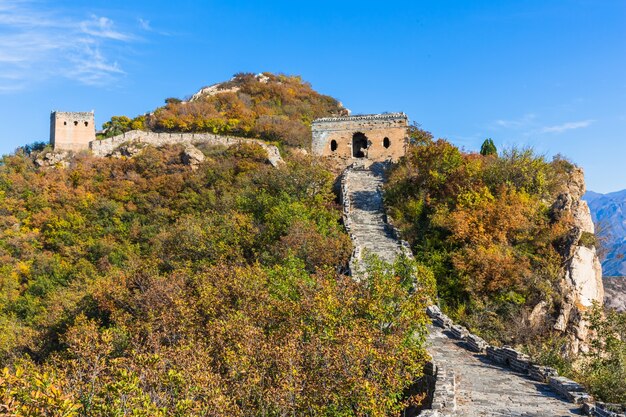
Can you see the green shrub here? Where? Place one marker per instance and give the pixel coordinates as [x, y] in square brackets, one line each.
[588, 240]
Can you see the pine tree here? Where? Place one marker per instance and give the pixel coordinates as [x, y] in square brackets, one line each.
[488, 148]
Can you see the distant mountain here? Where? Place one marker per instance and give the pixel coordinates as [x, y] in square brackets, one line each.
[609, 214]
[615, 293]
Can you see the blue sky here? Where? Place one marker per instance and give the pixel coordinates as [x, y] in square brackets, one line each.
[547, 74]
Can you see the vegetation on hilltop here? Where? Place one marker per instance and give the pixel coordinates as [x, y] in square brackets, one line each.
[483, 224]
[277, 108]
[143, 287]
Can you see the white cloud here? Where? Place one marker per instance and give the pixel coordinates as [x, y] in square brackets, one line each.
[103, 27]
[566, 126]
[145, 24]
[529, 125]
[520, 123]
[37, 44]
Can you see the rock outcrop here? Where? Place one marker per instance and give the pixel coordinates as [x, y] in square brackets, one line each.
[53, 159]
[192, 156]
[581, 286]
[127, 151]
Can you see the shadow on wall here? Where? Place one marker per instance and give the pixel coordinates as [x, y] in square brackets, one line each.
[359, 145]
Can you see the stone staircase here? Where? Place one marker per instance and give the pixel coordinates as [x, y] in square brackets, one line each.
[474, 385]
[365, 219]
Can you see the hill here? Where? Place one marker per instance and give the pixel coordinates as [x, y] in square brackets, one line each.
[267, 106]
[609, 214]
[153, 282]
[145, 284]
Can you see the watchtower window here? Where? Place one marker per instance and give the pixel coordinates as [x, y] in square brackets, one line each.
[359, 145]
[75, 123]
[86, 124]
[64, 123]
[386, 143]
[333, 145]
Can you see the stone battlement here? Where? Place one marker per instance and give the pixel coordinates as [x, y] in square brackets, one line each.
[80, 115]
[384, 116]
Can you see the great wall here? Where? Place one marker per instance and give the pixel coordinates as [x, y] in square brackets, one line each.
[106, 147]
[471, 377]
[467, 376]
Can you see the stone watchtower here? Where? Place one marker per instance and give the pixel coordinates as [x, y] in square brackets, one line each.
[374, 137]
[72, 131]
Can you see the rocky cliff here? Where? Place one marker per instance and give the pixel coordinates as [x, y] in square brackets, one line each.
[582, 279]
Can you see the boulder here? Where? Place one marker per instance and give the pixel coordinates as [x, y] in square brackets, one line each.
[192, 156]
[53, 159]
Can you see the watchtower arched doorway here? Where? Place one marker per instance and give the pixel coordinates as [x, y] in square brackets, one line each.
[359, 145]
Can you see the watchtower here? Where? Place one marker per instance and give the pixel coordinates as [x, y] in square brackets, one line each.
[374, 137]
[72, 131]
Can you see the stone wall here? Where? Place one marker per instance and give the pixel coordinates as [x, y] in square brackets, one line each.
[521, 363]
[72, 131]
[442, 398]
[364, 218]
[385, 135]
[106, 147]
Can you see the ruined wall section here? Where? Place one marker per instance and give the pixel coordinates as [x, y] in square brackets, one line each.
[72, 131]
[106, 147]
[386, 136]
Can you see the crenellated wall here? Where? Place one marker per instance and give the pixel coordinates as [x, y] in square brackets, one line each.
[521, 364]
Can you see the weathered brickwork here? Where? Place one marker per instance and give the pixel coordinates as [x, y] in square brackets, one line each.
[377, 137]
[72, 131]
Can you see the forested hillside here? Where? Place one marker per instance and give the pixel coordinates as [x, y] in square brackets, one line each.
[488, 228]
[144, 287]
[147, 286]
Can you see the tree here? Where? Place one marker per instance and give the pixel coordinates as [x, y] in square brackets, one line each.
[116, 126]
[488, 148]
[419, 136]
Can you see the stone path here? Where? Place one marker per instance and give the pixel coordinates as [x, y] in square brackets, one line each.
[486, 389]
[368, 226]
[482, 388]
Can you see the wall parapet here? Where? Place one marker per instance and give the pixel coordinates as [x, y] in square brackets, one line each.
[105, 147]
[384, 116]
[521, 363]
